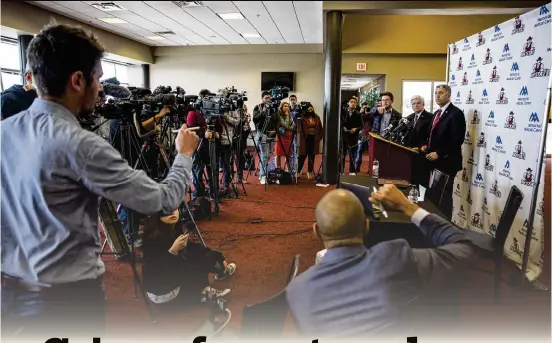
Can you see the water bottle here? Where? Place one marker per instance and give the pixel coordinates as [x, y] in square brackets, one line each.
[413, 194]
[375, 169]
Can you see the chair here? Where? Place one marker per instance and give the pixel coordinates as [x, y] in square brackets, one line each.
[437, 187]
[267, 318]
[494, 246]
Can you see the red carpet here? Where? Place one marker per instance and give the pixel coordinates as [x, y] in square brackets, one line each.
[263, 263]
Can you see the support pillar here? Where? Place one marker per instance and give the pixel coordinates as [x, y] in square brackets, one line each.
[146, 76]
[332, 97]
[24, 41]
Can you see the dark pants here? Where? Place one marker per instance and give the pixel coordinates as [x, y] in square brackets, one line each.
[67, 310]
[362, 147]
[310, 153]
[349, 150]
[225, 153]
[240, 154]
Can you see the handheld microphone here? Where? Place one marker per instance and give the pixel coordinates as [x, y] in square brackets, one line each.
[402, 124]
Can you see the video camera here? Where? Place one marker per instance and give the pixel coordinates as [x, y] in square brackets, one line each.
[228, 99]
[277, 94]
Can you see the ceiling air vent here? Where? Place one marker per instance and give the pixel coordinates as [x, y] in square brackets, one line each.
[107, 6]
[165, 33]
[186, 4]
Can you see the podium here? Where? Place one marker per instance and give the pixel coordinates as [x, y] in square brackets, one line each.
[396, 162]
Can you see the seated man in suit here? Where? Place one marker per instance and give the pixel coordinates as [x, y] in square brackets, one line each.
[355, 291]
[444, 148]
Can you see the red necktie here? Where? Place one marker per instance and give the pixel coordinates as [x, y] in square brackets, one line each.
[435, 122]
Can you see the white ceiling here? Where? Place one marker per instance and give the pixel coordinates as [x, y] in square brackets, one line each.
[276, 22]
[356, 81]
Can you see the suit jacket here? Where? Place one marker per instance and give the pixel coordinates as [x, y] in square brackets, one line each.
[349, 122]
[419, 134]
[447, 140]
[354, 291]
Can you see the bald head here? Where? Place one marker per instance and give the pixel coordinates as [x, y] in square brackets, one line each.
[340, 218]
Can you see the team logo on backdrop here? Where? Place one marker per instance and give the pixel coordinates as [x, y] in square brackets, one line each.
[506, 171]
[485, 207]
[473, 62]
[476, 221]
[528, 178]
[458, 101]
[491, 120]
[481, 142]
[478, 181]
[534, 124]
[528, 48]
[454, 49]
[523, 230]
[469, 99]
[480, 39]
[506, 55]
[540, 210]
[494, 189]
[465, 79]
[475, 118]
[539, 70]
[466, 45]
[518, 151]
[519, 27]
[465, 175]
[510, 121]
[497, 34]
[523, 98]
[515, 247]
[478, 79]
[467, 138]
[471, 160]
[462, 216]
[488, 58]
[485, 98]
[494, 75]
[460, 64]
[502, 99]
[453, 81]
[492, 229]
[544, 17]
[515, 74]
[468, 197]
[488, 165]
[499, 146]
[457, 191]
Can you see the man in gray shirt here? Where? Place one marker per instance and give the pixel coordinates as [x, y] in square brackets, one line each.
[53, 173]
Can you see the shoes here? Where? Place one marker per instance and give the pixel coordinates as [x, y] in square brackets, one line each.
[309, 176]
[262, 181]
[352, 173]
[215, 293]
[230, 270]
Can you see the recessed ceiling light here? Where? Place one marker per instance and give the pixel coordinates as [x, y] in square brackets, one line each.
[113, 20]
[251, 35]
[155, 38]
[231, 16]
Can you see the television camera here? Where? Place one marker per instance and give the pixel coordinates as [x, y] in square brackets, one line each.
[277, 94]
[227, 100]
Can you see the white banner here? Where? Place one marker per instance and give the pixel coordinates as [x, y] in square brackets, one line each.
[499, 78]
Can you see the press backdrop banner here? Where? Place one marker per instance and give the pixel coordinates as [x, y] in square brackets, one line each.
[499, 78]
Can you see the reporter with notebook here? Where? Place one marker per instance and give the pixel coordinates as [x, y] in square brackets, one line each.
[354, 291]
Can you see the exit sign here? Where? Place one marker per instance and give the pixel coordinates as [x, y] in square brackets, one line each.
[361, 66]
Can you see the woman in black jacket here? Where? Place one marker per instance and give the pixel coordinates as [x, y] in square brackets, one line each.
[172, 265]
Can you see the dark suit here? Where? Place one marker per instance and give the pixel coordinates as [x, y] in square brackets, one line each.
[349, 140]
[418, 134]
[354, 291]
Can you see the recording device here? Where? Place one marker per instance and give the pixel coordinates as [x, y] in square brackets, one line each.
[277, 94]
[303, 108]
[402, 125]
[385, 133]
[228, 99]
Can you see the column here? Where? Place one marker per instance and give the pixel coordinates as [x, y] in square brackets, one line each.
[145, 75]
[332, 97]
[23, 41]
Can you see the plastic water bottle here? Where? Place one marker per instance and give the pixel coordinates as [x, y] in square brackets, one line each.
[413, 194]
[375, 169]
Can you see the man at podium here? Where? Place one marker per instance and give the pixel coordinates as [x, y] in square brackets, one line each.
[419, 124]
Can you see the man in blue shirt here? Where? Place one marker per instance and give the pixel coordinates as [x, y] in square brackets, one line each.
[53, 173]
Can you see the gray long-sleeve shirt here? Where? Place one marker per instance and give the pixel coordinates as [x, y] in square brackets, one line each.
[53, 173]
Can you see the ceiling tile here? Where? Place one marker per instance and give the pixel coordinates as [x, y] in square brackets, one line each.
[283, 14]
[259, 40]
[221, 6]
[216, 24]
[138, 21]
[310, 16]
[255, 12]
[84, 8]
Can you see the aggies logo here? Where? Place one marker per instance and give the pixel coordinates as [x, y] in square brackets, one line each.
[516, 248]
[460, 64]
[539, 70]
[457, 191]
[510, 122]
[480, 39]
[465, 175]
[492, 230]
[494, 189]
[469, 99]
[485, 207]
[488, 58]
[488, 165]
[528, 178]
[518, 152]
[476, 221]
[481, 143]
[471, 160]
[528, 48]
[454, 49]
[494, 75]
[519, 27]
[475, 118]
[502, 99]
[540, 210]
[465, 79]
[468, 197]
[467, 139]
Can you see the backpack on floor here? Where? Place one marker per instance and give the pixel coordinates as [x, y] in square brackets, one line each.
[200, 208]
[280, 177]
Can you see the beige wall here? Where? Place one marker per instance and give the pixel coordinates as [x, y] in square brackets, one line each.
[24, 17]
[134, 73]
[195, 68]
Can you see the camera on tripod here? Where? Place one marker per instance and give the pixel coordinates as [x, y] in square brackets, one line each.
[277, 94]
[228, 99]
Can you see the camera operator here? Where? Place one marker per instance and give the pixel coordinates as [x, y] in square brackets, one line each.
[202, 159]
[231, 128]
[265, 120]
[18, 98]
[51, 266]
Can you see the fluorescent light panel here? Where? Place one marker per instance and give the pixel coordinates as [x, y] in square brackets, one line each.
[113, 20]
[231, 16]
[156, 38]
[251, 35]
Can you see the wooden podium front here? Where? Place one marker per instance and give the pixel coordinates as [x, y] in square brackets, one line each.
[395, 161]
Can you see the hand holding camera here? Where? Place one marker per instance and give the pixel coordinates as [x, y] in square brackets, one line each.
[186, 141]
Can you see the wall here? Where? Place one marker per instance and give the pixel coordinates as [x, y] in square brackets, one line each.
[31, 19]
[215, 67]
[135, 78]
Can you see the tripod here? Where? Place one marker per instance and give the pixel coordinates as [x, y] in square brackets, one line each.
[259, 142]
[212, 179]
[234, 157]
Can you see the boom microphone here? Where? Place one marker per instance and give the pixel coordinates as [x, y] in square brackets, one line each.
[116, 91]
[165, 99]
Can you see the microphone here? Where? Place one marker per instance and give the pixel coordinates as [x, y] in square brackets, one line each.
[403, 122]
[165, 99]
[116, 91]
[386, 131]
